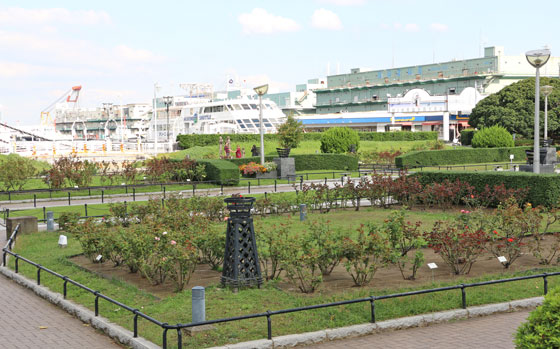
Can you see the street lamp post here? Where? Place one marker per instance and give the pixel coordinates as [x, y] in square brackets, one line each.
[546, 90]
[537, 58]
[167, 100]
[261, 90]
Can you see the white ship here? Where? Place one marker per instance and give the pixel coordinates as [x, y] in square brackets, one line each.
[239, 115]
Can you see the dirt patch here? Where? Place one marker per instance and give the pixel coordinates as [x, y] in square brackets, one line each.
[337, 281]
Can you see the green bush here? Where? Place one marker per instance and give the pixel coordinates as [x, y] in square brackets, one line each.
[222, 171]
[542, 329]
[193, 140]
[312, 162]
[459, 156]
[492, 137]
[339, 140]
[467, 136]
[290, 133]
[544, 189]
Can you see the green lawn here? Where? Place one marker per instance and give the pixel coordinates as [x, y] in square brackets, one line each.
[220, 303]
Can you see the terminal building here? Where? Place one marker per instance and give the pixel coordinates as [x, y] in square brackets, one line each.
[437, 96]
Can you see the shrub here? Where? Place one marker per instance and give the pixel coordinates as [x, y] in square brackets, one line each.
[222, 171]
[290, 133]
[271, 243]
[467, 136]
[542, 329]
[492, 137]
[458, 245]
[542, 189]
[339, 139]
[365, 253]
[459, 156]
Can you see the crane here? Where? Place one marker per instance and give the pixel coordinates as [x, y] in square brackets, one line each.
[71, 96]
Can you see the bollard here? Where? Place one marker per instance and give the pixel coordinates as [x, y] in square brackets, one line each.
[34, 200]
[302, 212]
[198, 304]
[50, 221]
[102, 195]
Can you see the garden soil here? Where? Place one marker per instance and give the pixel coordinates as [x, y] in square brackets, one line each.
[339, 280]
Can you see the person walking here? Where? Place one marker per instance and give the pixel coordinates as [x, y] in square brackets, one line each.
[238, 152]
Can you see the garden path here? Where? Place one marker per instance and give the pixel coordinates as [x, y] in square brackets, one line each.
[494, 331]
[29, 321]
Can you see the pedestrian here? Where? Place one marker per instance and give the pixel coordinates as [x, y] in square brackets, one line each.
[254, 151]
[238, 152]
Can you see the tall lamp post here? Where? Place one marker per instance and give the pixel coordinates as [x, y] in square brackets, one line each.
[167, 100]
[546, 90]
[537, 58]
[261, 90]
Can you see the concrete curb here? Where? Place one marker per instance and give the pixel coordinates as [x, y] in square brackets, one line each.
[114, 331]
[294, 340]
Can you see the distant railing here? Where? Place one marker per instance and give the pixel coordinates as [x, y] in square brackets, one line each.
[7, 250]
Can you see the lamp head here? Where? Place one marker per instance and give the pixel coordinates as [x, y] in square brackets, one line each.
[167, 99]
[261, 90]
[546, 90]
[538, 58]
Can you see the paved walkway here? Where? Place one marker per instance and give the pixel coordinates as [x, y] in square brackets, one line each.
[494, 331]
[29, 321]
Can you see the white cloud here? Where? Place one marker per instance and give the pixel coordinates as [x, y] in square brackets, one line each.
[259, 21]
[131, 54]
[343, 2]
[397, 26]
[18, 16]
[325, 19]
[411, 28]
[439, 27]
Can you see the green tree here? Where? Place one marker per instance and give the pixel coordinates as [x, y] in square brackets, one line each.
[339, 140]
[290, 133]
[15, 171]
[514, 108]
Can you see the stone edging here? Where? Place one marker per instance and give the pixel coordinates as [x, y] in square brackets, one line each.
[293, 340]
[114, 331]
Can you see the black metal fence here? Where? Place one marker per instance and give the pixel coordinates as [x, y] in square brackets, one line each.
[7, 250]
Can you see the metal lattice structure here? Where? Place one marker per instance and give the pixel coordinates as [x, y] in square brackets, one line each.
[241, 260]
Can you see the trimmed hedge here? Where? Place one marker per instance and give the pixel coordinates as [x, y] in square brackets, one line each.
[459, 156]
[222, 171]
[467, 136]
[544, 189]
[188, 141]
[311, 162]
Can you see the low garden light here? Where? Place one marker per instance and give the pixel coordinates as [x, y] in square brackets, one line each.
[62, 241]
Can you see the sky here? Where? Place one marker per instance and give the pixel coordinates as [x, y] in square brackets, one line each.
[118, 50]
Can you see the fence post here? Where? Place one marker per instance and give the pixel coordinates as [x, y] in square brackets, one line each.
[44, 213]
[89, 191]
[164, 192]
[194, 190]
[65, 286]
[9, 196]
[249, 187]
[96, 293]
[133, 194]
[34, 200]
[269, 324]
[463, 296]
[7, 213]
[68, 198]
[325, 180]
[38, 275]
[301, 183]
[102, 195]
[545, 283]
[275, 185]
[165, 336]
[222, 189]
[162, 202]
[85, 209]
[372, 307]
[135, 323]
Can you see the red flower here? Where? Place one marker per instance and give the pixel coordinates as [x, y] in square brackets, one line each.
[495, 232]
[510, 240]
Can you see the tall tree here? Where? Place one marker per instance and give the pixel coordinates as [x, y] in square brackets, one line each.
[513, 107]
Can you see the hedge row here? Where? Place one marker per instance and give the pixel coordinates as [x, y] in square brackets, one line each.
[544, 189]
[222, 171]
[312, 162]
[459, 156]
[191, 140]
